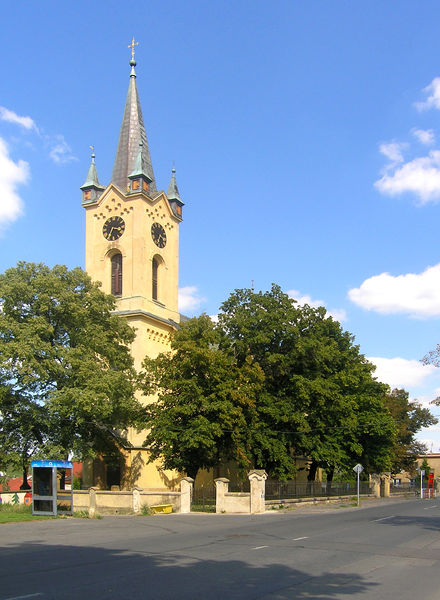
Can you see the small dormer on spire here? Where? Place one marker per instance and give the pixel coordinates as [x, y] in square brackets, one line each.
[139, 179]
[91, 188]
[174, 196]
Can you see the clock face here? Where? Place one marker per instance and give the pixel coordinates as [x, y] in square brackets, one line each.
[113, 228]
[158, 234]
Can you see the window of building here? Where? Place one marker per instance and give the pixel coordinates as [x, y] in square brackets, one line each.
[116, 262]
[155, 278]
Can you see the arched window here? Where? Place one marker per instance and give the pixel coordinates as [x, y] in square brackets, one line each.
[116, 262]
[154, 279]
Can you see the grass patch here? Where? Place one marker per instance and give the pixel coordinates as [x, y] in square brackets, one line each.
[207, 508]
[15, 513]
[81, 514]
[146, 510]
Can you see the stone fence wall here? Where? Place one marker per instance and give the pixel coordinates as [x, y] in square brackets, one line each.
[252, 502]
[96, 501]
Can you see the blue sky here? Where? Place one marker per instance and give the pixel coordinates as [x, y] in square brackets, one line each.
[305, 135]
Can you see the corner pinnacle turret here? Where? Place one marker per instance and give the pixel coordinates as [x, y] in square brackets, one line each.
[174, 196]
[132, 137]
[91, 187]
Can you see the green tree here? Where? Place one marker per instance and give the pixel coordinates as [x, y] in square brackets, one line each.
[66, 374]
[409, 417]
[205, 403]
[320, 398]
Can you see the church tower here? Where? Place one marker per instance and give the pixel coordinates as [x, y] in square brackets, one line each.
[132, 248]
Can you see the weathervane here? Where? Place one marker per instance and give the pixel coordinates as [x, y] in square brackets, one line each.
[132, 45]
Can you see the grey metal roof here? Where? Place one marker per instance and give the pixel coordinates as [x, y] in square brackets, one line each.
[132, 133]
[92, 176]
[173, 191]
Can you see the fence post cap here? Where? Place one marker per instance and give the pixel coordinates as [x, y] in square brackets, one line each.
[257, 474]
[188, 479]
[223, 479]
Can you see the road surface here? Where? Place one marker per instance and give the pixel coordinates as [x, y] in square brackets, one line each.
[382, 550]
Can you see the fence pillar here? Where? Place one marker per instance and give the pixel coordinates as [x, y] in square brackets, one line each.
[136, 498]
[386, 485]
[257, 480]
[92, 502]
[375, 484]
[186, 489]
[221, 488]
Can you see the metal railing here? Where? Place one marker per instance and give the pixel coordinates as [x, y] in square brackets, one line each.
[404, 488]
[284, 490]
[203, 498]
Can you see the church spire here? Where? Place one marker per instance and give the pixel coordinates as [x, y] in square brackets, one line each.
[132, 137]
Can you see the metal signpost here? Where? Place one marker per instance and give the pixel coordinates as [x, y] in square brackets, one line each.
[358, 469]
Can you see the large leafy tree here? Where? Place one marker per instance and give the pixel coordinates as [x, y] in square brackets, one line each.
[205, 402]
[66, 374]
[320, 398]
[273, 380]
[409, 417]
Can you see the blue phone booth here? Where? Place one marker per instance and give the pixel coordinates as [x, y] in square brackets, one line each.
[52, 483]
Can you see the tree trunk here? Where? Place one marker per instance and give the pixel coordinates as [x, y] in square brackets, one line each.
[329, 472]
[25, 485]
[311, 477]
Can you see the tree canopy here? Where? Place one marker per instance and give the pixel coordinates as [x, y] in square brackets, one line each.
[320, 393]
[409, 417]
[270, 382]
[205, 402]
[66, 373]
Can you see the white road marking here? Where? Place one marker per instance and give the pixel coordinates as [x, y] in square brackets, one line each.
[429, 507]
[382, 519]
[259, 547]
[300, 538]
[23, 597]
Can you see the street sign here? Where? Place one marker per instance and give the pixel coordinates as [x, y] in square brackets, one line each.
[358, 468]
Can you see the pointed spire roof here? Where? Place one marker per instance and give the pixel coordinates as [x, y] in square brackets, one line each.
[173, 190]
[131, 135]
[92, 175]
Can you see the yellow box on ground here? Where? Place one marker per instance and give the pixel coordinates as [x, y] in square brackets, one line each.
[162, 509]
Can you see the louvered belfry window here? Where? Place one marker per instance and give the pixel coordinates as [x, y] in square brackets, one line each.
[116, 261]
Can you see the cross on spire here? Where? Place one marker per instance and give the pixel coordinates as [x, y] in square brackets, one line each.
[132, 45]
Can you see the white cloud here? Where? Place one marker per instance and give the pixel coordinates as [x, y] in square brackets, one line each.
[433, 99]
[415, 294]
[400, 372]
[420, 176]
[11, 176]
[12, 117]
[60, 151]
[425, 136]
[393, 151]
[189, 299]
[338, 314]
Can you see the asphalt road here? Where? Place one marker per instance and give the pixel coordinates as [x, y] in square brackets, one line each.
[382, 550]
